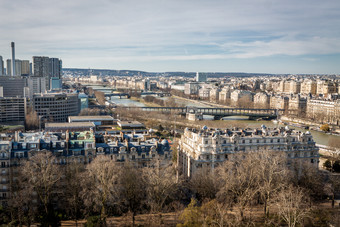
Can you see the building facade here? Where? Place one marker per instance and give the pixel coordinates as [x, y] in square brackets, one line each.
[77, 147]
[56, 107]
[2, 67]
[12, 109]
[13, 86]
[208, 148]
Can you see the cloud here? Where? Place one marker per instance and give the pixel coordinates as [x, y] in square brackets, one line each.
[164, 30]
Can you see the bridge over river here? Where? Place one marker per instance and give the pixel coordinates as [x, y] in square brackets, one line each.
[218, 113]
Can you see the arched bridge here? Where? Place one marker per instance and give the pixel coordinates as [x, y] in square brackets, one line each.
[218, 113]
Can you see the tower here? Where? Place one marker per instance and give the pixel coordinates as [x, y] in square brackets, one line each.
[13, 58]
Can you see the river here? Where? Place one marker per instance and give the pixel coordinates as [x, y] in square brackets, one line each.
[319, 137]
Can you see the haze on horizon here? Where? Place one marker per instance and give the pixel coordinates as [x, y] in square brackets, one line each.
[263, 36]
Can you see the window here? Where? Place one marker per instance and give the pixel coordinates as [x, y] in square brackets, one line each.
[133, 157]
[206, 142]
[226, 157]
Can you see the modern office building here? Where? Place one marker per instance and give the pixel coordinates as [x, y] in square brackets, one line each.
[56, 67]
[36, 85]
[55, 83]
[56, 107]
[2, 67]
[208, 148]
[84, 101]
[41, 68]
[22, 67]
[25, 68]
[12, 109]
[13, 86]
[48, 68]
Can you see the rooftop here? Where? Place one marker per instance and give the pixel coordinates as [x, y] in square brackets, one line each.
[84, 118]
[69, 125]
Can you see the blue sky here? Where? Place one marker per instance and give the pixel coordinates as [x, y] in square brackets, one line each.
[269, 36]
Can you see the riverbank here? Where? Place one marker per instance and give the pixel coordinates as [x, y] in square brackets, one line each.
[298, 122]
[148, 104]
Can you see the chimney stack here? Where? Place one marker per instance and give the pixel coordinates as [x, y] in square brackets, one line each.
[13, 58]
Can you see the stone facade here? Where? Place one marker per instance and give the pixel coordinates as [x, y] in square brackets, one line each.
[208, 148]
[324, 111]
[261, 100]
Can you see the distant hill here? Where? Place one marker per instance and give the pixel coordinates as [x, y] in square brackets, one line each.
[110, 72]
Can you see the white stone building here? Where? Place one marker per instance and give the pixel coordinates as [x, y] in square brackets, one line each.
[208, 148]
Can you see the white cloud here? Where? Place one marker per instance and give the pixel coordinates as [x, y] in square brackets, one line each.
[153, 30]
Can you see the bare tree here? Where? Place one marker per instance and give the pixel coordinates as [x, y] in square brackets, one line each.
[272, 172]
[100, 96]
[240, 182]
[308, 177]
[31, 119]
[132, 192]
[22, 207]
[204, 184]
[161, 186]
[292, 205]
[333, 187]
[42, 176]
[72, 196]
[100, 185]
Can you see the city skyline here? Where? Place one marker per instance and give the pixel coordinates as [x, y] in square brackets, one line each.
[216, 36]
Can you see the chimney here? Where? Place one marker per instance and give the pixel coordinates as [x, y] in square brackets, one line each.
[13, 58]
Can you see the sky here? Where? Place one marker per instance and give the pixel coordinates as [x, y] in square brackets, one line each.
[254, 36]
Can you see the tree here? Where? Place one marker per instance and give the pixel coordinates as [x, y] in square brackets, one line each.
[309, 178]
[161, 186]
[210, 213]
[272, 172]
[23, 209]
[204, 184]
[325, 127]
[31, 119]
[41, 175]
[132, 192]
[100, 96]
[240, 182]
[191, 215]
[72, 196]
[333, 187]
[292, 205]
[99, 182]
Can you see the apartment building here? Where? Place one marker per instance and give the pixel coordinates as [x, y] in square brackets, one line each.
[208, 148]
